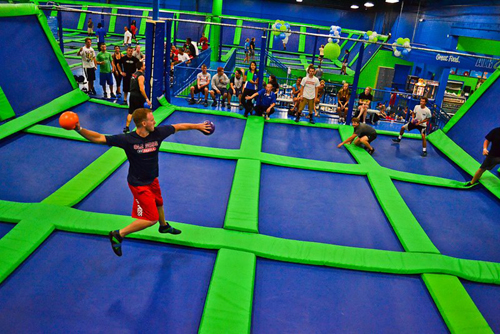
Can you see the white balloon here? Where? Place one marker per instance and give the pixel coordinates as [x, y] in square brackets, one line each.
[397, 53]
[374, 34]
[330, 40]
[406, 44]
[285, 40]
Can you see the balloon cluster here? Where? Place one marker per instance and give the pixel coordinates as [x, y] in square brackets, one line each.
[281, 30]
[334, 34]
[401, 47]
[371, 36]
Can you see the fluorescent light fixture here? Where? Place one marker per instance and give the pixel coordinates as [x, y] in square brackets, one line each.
[369, 4]
[392, 1]
[354, 6]
[299, 0]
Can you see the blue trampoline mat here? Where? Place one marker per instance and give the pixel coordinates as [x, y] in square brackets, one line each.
[295, 298]
[5, 228]
[33, 167]
[304, 142]
[406, 157]
[97, 117]
[486, 298]
[228, 130]
[322, 207]
[461, 223]
[153, 288]
[195, 190]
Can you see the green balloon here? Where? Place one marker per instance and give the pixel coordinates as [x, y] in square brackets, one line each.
[369, 32]
[283, 28]
[406, 40]
[375, 40]
[400, 41]
[332, 51]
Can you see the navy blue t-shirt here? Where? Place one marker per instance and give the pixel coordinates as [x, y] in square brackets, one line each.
[100, 33]
[494, 138]
[142, 153]
[264, 99]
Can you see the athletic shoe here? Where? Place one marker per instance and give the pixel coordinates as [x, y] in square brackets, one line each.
[311, 120]
[297, 118]
[113, 96]
[168, 229]
[371, 151]
[424, 153]
[396, 140]
[116, 242]
[246, 114]
[205, 104]
[214, 104]
[267, 117]
[240, 107]
[191, 101]
[126, 129]
[105, 95]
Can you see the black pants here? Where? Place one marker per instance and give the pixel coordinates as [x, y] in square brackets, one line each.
[247, 104]
[261, 110]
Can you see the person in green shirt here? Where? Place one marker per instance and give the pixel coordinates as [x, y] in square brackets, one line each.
[106, 67]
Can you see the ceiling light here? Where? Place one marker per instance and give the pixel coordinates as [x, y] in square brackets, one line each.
[354, 7]
[369, 4]
[392, 1]
[299, 0]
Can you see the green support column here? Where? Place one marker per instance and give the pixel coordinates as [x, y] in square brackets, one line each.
[215, 33]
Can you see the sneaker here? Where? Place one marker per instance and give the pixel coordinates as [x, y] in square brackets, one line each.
[371, 151]
[297, 118]
[168, 229]
[396, 140]
[113, 96]
[116, 242]
[424, 153]
[126, 129]
[192, 101]
[205, 104]
[240, 107]
[266, 117]
[246, 114]
[223, 104]
[105, 95]
[311, 120]
[214, 104]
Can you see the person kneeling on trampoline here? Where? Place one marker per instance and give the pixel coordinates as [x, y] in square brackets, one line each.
[365, 133]
[422, 115]
[492, 156]
[142, 148]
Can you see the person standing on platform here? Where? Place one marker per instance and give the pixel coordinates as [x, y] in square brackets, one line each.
[203, 42]
[265, 102]
[100, 33]
[345, 60]
[117, 72]
[137, 93]
[421, 117]
[133, 30]
[251, 83]
[321, 54]
[365, 133]
[319, 72]
[90, 27]
[88, 63]
[247, 51]
[252, 49]
[127, 37]
[492, 156]
[308, 94]
[219, 87]
[106, 67]
[129, 67]
[202, 82]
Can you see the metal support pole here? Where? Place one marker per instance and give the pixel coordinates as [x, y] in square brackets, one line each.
[315, 47]
[155, 37]
[262, 63]
[174, 26]
[220, 44]
[355, 84]
[102, 18]
[60, 30]
[156, 9]
[167, 60]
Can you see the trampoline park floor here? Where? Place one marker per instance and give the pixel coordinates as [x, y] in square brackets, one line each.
[264, 220]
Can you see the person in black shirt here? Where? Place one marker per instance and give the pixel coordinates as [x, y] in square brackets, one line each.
[142, 148]
[365, 99]
[189, 45]
[274, 81]
[137, 93]
[345, 60]
[492, 156]
[129, 67]
[365, 133]
[252, 48]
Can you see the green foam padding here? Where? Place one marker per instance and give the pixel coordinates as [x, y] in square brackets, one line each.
[108, 103]
[225, 58]
[471, 100]
[6, 110]
[142, 28]
[251, 143]
[243, 206]
[7, 10]
[456, 154]
[424, 179]
[455, 305]
[228, 307]
[237, 32]
[112, 20]
[50, 109]
[81, 21]
[302, 40]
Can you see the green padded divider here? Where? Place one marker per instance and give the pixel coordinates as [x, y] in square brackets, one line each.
[302, 40]
[456, 154]
[202, 151]
[108, 103]
[251, 143]
[23, 9]
[237, 32]
[225, 58]
[76, 189]
[142, 28]
[424, 179]
[242, 212]
[53, 13]
[470, 101]
[372, 260]
[455, 305]
[45, 130]
[55, 47]
[81, 21]
[20, 242]
[6, 110]
[228, 307]
[395, 134]
[112, 20]
[50, 109]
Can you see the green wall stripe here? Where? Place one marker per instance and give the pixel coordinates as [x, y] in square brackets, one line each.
[228, 307]
[81, 21]
[112, 20]
[302, 40]
[237, 33]
[142, 27]
[455, 305]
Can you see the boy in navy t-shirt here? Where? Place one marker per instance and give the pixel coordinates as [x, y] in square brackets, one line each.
[265, 102]
[142, 147]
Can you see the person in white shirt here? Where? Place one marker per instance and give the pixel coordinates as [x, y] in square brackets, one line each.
[183, 56]
[421, 116]
[202, 82]
[219, 86]
[308, 94]
[88, 63]
[127, 37]
[138, 54]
